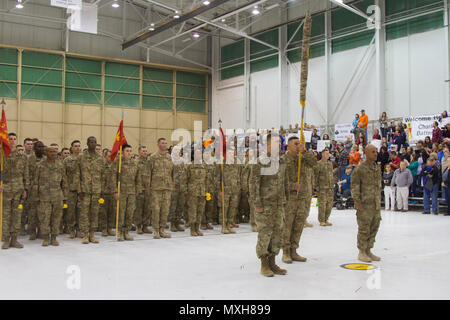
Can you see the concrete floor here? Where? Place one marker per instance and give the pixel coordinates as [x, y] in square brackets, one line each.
[415, 251]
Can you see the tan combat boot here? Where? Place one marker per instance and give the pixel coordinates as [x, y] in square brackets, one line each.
[5, 244]
[164, 234]
[145, 229]
[203, 226]
[111, 233]
[265, 268]
[234, 225]
[254, 229]
[33, 235]
[322, 224]
[198, 229]
[120, 236]
[179, 228]
[230, 226]
[127, 236]
[308, 225]
[104, 233]
[71, 234]
[225, 230]
[92, 238]
[328, 224]
[297, 257]
[45, 242]
[275, 269]
[14, 243]
[362, 256]
[287, 255]
[156, 234]
[54, 242]
[372, 256]
[85, 239]
[139, 231]
[78, 234]
[173, 227]
[194, 231]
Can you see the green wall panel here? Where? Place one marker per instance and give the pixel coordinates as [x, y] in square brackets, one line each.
[122, 69]
[190, 105]
[191, 92]
[316, 50]
[8, 56]
[8, 72]
[83, 65]
[40, 59]
[190, 78]
[232, 72]
[398, 6]
[83, 96]
[158, 74]
[81, 80]
[353, 41]
[420, 24]
[264, 64]
[41, 76]
[38, 92]
[233, 52]
[121, 99]
[121, 84]
[157, 88]
[8, 90]
[157, 103]
[342, 18]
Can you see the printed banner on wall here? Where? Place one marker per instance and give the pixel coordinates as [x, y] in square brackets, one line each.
[322, 144]
[421, 126]
[342, 131]
[71, 4]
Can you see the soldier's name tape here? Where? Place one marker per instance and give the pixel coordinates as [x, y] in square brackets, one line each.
[358, 266]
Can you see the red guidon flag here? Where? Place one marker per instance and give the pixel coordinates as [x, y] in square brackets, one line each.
[119, 141]
[223, 143]
[4, 135]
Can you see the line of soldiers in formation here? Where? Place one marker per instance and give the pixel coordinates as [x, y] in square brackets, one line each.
[78, 195]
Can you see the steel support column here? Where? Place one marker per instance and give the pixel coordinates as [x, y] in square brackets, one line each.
[380, 47]
[328, 46]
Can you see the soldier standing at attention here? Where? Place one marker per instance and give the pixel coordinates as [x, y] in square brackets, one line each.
[366, 192]
[297, 210]
[311, 172]
[269, 190]
[212, 187]
[50, 187]
[72, 219]
[107, 212]
[32, 202]
[28, 151]
[325, 185]
[160, 185]
[130, 187]
[141, 215]
[91, 167]
[178, 199]
[15, 185]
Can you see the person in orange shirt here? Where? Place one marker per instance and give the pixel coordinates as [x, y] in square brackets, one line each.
[364, 119]
[355, 157]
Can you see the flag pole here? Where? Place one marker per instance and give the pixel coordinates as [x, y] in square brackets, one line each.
[223, 194]
[303, 82]
[118, 187]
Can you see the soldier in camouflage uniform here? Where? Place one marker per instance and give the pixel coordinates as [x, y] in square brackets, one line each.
[28, 152]
[15, 185]
[160, 186]
[311, 172]
[178, 199]
[269, 190]
[91, 167]
[72, 220]
[212, 187]
[50, 187]
[32, 201]
[325, 187]
[366, 193]
[130, 187]
[142, 213]
[107, 210]
[231, 179]
[196, 189]
[299, 200]
[243, 207]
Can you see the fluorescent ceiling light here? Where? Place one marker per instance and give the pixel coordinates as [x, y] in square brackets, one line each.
[255, 11]
[115, 4]
[206, 3]
[196, 35]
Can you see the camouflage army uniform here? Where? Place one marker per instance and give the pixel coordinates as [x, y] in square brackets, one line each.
[310, 177]
[178, 200]
[160, 182]
[232, 183]
[244, 209]
[107, 211]
[142, 213]
[72, 218]
[325, 183]
[213, 188]
[299, 202]
[50, 187]
[91, 167]
[32, 201]
[196, 189]
[270, 192]
[366, 190]
[24, 218]
[15, 181]
[130, 185]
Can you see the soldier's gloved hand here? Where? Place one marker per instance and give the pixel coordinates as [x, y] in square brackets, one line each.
[116, 196]
[298, 187]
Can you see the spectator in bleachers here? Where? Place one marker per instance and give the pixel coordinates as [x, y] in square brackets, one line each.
[395, 161]
[446, 131]
[389, 191]
[342, 158]
[344, 182]
[446, 185]
[383, 157]
[355, 122]
[437, 133]
[444, 114]
[384, 124]
[391, 131]
[364, 119]
[413, 166]
[325, 136]
[430, 182]
[402, 180]
[399, 140]
[355, 156]
[419, 148]
[376, 135]
[427, 144]
[314, 138]
[361, 141]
